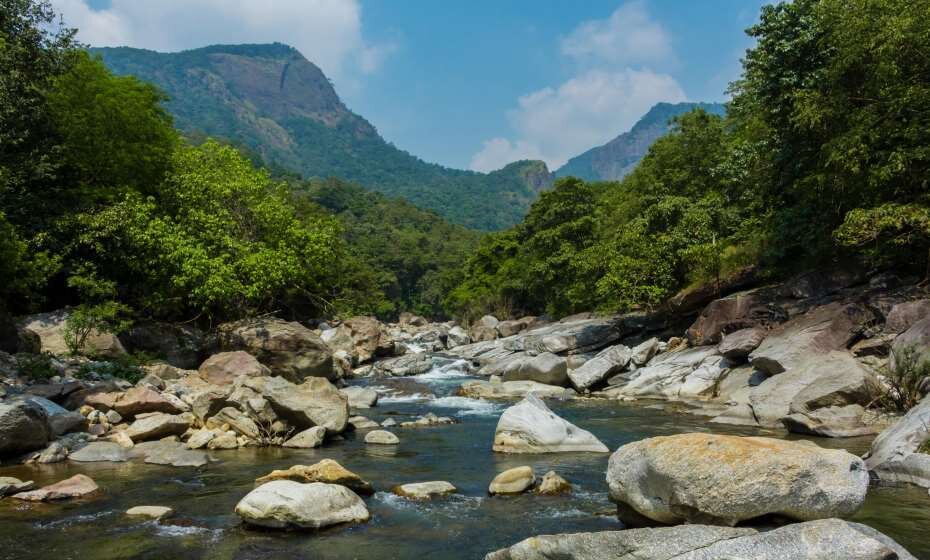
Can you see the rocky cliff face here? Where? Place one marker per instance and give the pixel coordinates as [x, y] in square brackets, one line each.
[618, 157]
[280, 105]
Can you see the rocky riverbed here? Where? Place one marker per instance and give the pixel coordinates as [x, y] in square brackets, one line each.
[426, 415]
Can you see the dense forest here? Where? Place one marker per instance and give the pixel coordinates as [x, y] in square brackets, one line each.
[106, 206]
[822, 158]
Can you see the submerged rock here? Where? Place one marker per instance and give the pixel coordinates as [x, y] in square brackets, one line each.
[100, 451]
[283, 503]
[722, 480]
[827, 539]
[530, 427]
[381, 437]
[78, 486]
[513, 481]
[327, 470]
[424, 490]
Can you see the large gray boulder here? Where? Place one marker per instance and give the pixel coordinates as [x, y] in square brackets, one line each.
[723, 480]
[363, 338]
[832, 421]
[903, 315]
[606, 363]
[156, 426]
[284, 503]
[414, 363]
[826, 539]
[60, 420]
[543, 368]
[807, 336]
[23, 427]
[530, 427]
[290, 349]
[315, 402]
[917, 339]
[737, 345]
[894, 454]
[684, 374]
[730, 314]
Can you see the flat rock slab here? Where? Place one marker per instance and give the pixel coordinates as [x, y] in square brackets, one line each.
[78, 486]
[150, 512]
[283, 503]
[100, 451]
[424, 490]
[327, 470]
[170, 453]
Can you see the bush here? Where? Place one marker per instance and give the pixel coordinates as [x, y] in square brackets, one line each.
[126, 367]
[903, 382]
[37, 367]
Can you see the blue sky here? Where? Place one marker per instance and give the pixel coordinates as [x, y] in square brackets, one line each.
[469, 84]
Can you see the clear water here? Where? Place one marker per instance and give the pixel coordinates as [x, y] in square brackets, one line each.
[467, 525]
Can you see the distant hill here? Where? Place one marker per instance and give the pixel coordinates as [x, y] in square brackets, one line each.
[277, 103]
[618, 157]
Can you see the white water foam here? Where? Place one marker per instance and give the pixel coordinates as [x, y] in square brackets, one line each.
[468, 407]
[451, 371]
[185, 531]
[397, 398]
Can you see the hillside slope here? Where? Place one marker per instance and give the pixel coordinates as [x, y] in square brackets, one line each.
[616, 158]
[279, 104]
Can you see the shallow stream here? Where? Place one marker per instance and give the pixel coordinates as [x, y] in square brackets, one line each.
[465, 526]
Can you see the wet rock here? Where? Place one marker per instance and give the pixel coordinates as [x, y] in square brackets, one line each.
[739, 344]
[10, 485]
[530, 427]
[715, 479]
[408, 364]
[157, 426]
[362, 423]
[497, 389]
[894, 454]
[513, 481]
[288, 348]
[833, 421]
[23, 427]
[327, 470]
[552, 485]
[424, 490]
[316, 402]
[150, 512]
[825, 539]
[381, 437]
[807, 336]
[645, 351]
[282, 503]
[360, 397]
[78, 486]
[226, 367]
[44, 333]
[170, 453]
[307, 439]
[606, 363]
[100, 451]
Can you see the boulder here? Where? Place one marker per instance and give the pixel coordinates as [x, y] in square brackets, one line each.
[724, 480]
[510, 328]
[497, 389]
[360, 397]
[283, 503]
[730, 314]
[239, 422]
[739, 344]
[825, 539]
[552, 485]
[169, 453]
[290, 349]
[381, 437]
[157, 426]
[644, 351]
[408, 364]
[23, 427]
[137, 400]
[78, 486]
[915, 338]
[684, 374]
[10, 485]
[224, 440]
[368, 338]
[807, 336]
[60, 420]
[457, 337]
[181, 346]
[571, 336]
[903, 315]
[327, 470]
[544, 368]
[485, 329]
[150, 512]
[606, 363]
[307, 439]
[200, 438]
[45, 333]
[100, 451]
[225, 368]
[315, 402]
[530, 427]
[832, 421]
[424, 490]
[894, 454]
[362, 423]
[168, 372]
[253, 404]
[513, 481]
[409, 319]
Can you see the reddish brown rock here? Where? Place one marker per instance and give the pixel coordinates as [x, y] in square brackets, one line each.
[224, 368]
[77, 486]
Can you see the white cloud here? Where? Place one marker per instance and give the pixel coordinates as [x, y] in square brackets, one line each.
[555, 124]
[328, 32]
[628, 36]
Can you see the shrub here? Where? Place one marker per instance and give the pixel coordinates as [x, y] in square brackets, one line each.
[903, 381]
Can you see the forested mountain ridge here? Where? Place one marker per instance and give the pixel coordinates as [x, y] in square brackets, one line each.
[615, 159]
[273, 100]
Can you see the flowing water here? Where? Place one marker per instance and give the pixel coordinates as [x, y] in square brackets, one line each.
[467, 525]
